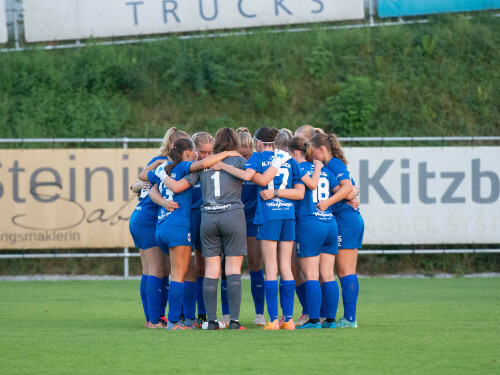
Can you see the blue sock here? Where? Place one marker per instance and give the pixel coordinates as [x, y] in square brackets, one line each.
[330, 291]
[258, 290]
[153, 293]
[223, 297]
[199, 296]
[350, 289]
[322, 308]
[288, 288]
[313, 298]
[164, 295]
[189, 301]
[301, 293]
[280, 285]
[272, 299]
[144, 296]
[175, 297]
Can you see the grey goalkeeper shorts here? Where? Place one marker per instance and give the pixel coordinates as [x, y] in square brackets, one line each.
[224, 232]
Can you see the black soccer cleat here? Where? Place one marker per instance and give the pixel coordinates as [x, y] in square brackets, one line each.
[213, 325]
[233, 324]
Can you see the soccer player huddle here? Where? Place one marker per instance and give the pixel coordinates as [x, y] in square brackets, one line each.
[286, 201]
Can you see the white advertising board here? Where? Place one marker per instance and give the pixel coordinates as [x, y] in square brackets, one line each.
[47, 20]
[3, 23]
[428, 195]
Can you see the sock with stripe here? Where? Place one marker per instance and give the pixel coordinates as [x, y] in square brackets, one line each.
[144, 296]
[288, 288]
[350, 290]
[189, 301]
[153, 294]
[258, 290]
[272, 299]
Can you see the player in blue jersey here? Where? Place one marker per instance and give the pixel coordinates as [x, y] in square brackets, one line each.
[173, 227]
[278, 177]
[249, 197]
[204, 144]
[350, 224]
[317, 236]
[156, 265]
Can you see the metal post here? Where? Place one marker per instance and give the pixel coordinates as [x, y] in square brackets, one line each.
[125, 249]
[371, 12]
[16, 31]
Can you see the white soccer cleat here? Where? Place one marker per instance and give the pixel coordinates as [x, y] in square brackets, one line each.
[226, 318]
[302, 320]
[259, 320]
[222, 325]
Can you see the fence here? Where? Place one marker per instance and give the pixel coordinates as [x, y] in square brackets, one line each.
[124, 142]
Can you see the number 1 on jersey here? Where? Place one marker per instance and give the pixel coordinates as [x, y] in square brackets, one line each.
[216, 178]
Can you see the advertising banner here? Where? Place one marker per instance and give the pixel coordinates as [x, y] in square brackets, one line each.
[400, 8]
[3, 23]
[80, 198]
[47, 20]
[428, 195]
[68, 198]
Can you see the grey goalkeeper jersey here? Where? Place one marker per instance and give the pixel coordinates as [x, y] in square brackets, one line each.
[220, 190]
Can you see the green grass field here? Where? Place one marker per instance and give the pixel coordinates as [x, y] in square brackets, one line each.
[441, 326]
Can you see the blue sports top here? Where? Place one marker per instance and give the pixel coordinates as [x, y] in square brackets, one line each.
[197, 198]
[288, 175]
[306, 208]
[182, 215]
[249, 193]
[341, 172]
[146, 205]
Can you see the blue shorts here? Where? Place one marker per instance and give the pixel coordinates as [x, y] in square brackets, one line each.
[315, 237]
[277, 230]
[351, 229]
[252, 229]
[142, 228]
[195, 228]
[169, 235]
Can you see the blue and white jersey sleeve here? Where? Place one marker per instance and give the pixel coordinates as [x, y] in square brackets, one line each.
[255, 162]
[297, 172]
[340, 170]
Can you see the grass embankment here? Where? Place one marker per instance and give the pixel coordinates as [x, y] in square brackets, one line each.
[435, 79]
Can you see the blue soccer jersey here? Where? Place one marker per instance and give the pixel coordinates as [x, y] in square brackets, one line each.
[182, 215]
[249, 193]
[340, 170]
[146, 205]
[306, 208]
[341, 173]
[197, 198]
[288, 175]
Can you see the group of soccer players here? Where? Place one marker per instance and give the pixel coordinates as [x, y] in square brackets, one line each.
[286, 201]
